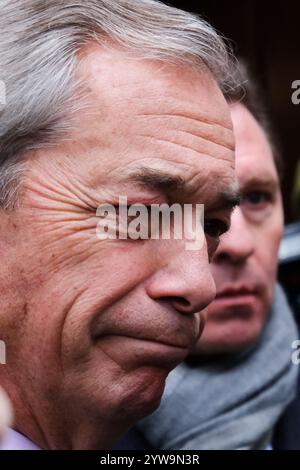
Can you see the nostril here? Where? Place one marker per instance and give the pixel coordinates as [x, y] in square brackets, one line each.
[179, 302]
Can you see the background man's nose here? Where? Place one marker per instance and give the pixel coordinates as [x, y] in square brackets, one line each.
[186, 282]
[238, 244]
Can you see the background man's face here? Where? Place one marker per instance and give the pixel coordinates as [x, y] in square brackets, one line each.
[97, 325]
[245, 264]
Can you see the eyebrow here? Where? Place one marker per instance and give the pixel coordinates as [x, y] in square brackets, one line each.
[165, 182]
[262, 181]
[157, 179]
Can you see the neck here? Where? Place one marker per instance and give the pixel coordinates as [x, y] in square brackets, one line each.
[53, 431]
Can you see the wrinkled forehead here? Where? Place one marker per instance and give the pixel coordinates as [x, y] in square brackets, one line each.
[148, 116]
[123, 83]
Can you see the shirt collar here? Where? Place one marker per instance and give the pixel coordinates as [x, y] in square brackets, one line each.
[13, 440]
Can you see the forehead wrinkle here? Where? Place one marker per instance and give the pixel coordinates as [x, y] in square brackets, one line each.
[188, 116]
[206, 137]
[204, 153]
[188, 132]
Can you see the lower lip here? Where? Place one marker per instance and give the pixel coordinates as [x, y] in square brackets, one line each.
[163, 354]
[236, 300]
[145, 351]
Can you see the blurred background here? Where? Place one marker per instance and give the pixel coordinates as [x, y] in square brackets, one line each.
[267, 36]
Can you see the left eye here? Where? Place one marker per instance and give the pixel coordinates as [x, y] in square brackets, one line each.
[256, 197]
[215, 228]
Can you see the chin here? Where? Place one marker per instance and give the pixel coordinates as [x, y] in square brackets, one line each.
[142, 392]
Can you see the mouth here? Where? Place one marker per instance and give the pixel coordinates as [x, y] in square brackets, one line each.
[160, 344]
[132, 351]
[237, 296]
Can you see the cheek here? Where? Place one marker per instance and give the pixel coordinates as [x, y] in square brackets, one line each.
[267, 248]
[266, 260]
[66, 279]
[103, 282]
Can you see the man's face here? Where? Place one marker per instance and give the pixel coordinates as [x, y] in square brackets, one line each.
[96, 326]
[245, 264]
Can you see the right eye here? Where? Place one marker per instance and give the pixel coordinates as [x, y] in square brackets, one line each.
[256, 200]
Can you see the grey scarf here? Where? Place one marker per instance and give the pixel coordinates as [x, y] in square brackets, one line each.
[230, 403]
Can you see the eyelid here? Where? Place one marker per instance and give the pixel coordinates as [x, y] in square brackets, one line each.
[260, 189]
[269, 195]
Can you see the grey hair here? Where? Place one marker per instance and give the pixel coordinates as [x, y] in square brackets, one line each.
[39, 46]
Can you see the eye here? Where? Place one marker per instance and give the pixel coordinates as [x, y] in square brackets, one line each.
[257, 199]
[214, 228]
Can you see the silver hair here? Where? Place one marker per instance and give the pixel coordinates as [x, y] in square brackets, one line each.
[39, 45]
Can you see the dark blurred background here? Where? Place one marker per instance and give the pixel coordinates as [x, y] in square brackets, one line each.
[268, 37]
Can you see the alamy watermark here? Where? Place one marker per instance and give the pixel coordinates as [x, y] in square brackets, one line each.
[2, 352]
[296, 354]
[296, 93]
[155, 222]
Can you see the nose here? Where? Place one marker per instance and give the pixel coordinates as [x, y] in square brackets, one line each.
[185, 282]
[237, 245]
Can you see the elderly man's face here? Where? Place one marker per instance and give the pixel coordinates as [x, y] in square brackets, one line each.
[245, 264]
[95, 326]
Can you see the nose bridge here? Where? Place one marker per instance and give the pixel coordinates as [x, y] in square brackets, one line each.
[239, 242]
[186, 281]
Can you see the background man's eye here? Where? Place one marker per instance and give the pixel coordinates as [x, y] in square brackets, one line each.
[215, 228]
[256, 197]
